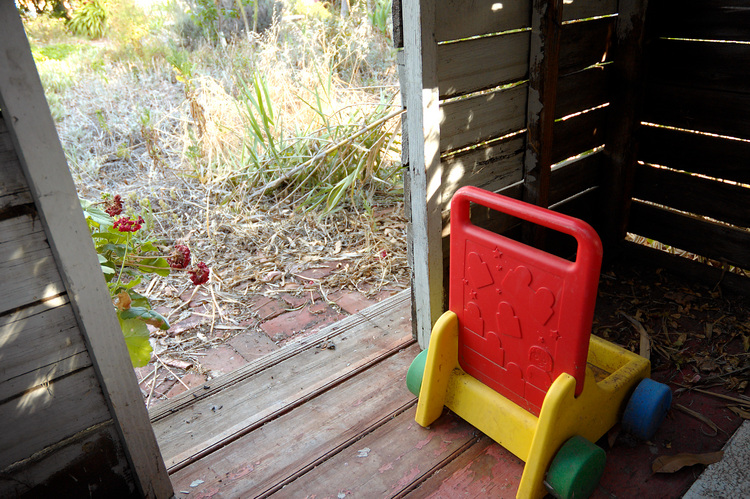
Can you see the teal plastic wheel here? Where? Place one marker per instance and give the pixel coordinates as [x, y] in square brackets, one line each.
[416, 372]
[576, 469]
[646, 409]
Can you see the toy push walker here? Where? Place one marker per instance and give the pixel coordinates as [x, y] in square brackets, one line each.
[514, 355]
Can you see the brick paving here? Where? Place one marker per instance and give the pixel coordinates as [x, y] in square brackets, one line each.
[277, 319]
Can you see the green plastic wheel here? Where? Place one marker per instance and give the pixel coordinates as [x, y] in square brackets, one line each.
[416, 372]
[576, 469]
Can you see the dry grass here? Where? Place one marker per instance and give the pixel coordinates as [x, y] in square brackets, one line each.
[165, 131]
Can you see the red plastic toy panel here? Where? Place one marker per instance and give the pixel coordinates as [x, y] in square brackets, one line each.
[524, 315]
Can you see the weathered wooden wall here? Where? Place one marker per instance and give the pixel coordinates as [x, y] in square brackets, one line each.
[73, 420]
[485, 120]
[58, 434]
[692, 191]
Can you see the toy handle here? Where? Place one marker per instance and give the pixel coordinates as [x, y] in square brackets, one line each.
[589, 244]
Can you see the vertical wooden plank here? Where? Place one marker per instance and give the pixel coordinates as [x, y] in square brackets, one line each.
[43, 162]
[626, 89]
[544, 51]
[423, 128]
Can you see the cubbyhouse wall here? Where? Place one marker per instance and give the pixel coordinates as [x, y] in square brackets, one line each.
[74, 422]
[662, 83]
[476, 84]
[692, 186]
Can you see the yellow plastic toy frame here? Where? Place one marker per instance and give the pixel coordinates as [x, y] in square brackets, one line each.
[612, 374]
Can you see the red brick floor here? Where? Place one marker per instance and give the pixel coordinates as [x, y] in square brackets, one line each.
[278, 319]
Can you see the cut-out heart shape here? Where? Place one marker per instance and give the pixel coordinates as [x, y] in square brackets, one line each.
[477, 271]
[473, 319]
[509, 323]
[541, 305]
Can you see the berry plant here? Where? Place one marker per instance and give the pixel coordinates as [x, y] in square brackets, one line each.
[127, 253]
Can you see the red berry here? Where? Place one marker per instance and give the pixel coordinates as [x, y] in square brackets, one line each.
[199, 274]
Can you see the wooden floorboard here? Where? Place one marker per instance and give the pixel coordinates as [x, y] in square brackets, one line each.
[484, 470]
[206, 419]
[307, 437]
[392, 459]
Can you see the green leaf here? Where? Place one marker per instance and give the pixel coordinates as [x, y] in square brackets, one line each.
[99, 216]
[107, 270]
[117, 249]
[136, 338]
[138, 300]
[147, 316]
[162, 270]
[115, 237]
[131, 284]
[148, 246]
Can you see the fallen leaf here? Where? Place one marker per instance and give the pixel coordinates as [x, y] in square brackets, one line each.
[122, 300]
[645, 344]
[740, 412]
[670, 464]
[698, 416]
[179, 364]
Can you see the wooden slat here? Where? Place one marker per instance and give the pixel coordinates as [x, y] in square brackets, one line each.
[485, 470]
[288, 446]
[582, 90]
[579, 134]
[39, 342]
[252, 398]
[577, 9]
[491, 168]
[700, 109]
[31, 276]
[66, 471]
[483, 117]
[458, 19]
[14, 190]
[576, 177]
[48, 414]
[718, 200]
[691, 270]
[585, 43]
[701, 237]
[475, 64]
[701, 19]
[696, 153]
[21, 234]
[400, 454]
[716, 66]
[44, 165]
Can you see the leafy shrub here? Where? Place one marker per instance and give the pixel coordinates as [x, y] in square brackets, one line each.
[89, 20]
[126, 254]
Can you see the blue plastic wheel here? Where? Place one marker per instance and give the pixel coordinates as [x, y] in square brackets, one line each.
[416, 372]
[646, 409]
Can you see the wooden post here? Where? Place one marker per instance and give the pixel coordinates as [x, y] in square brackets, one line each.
[44, 164]
[423, 129]
[626, 89]
[544, 50]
